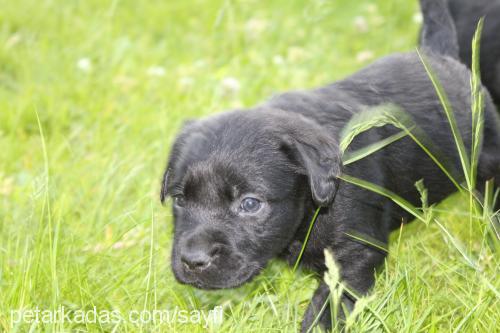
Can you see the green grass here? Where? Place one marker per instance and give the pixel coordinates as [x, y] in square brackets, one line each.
[82, 150]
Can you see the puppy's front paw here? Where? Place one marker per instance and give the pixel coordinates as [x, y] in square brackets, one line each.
[318, 311]
[312, 321]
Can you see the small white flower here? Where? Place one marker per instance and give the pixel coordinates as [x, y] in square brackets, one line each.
[200, 63]
[278, 60]
[186, 82]
[230, 85]
[364, 56]
[6, 185]
[360, 24]
[13, 40]
[255, 27]
[84, 64]
[156, 71]
[371, 8]
[418, 18]
[123, 245]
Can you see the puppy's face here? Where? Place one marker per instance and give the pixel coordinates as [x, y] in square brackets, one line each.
[239, 182]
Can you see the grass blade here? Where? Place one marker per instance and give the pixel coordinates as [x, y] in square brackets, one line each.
[389, 114]
[351, 157]
[477, 98]
[471, 262]
[406, 205]
[462, 152]
[308, 234]
[368, 240]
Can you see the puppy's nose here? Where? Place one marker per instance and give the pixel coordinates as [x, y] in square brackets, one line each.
[196, 261]
[199, 257]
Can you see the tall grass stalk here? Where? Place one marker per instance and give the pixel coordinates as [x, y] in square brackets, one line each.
[445, 103]
[306, 239]
[52, 236]
[477, 99]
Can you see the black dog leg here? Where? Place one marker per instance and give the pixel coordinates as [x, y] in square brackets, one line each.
[358, 263]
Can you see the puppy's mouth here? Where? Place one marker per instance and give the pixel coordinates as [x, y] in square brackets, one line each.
[215, 276]
[244, 275]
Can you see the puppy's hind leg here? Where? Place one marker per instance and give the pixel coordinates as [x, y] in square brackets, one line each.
[438, 31]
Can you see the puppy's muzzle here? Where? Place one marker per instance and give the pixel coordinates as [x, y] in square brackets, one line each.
[198, 252]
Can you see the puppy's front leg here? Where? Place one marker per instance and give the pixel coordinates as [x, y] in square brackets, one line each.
[317, 312]
[357, 265]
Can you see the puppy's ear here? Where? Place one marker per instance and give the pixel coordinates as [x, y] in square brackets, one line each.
[318, 156]
[175, 154]
[164, 186]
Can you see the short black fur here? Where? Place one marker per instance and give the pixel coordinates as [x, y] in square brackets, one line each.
[285, 154]
[466, 14]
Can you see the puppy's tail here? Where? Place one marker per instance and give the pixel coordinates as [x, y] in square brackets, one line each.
[438, 31]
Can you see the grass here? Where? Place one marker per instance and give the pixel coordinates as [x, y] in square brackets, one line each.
[91, 96]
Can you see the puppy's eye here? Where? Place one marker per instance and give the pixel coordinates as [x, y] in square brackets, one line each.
[250, 205]
[179, 200]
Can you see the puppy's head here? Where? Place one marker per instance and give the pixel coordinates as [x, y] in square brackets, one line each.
[239, 181]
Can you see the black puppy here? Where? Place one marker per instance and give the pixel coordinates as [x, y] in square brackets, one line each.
[466, 14]
[245, 184]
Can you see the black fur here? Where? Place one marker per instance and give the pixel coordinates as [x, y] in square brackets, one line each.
[438, 31]
[466, 14]
[285, 153]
